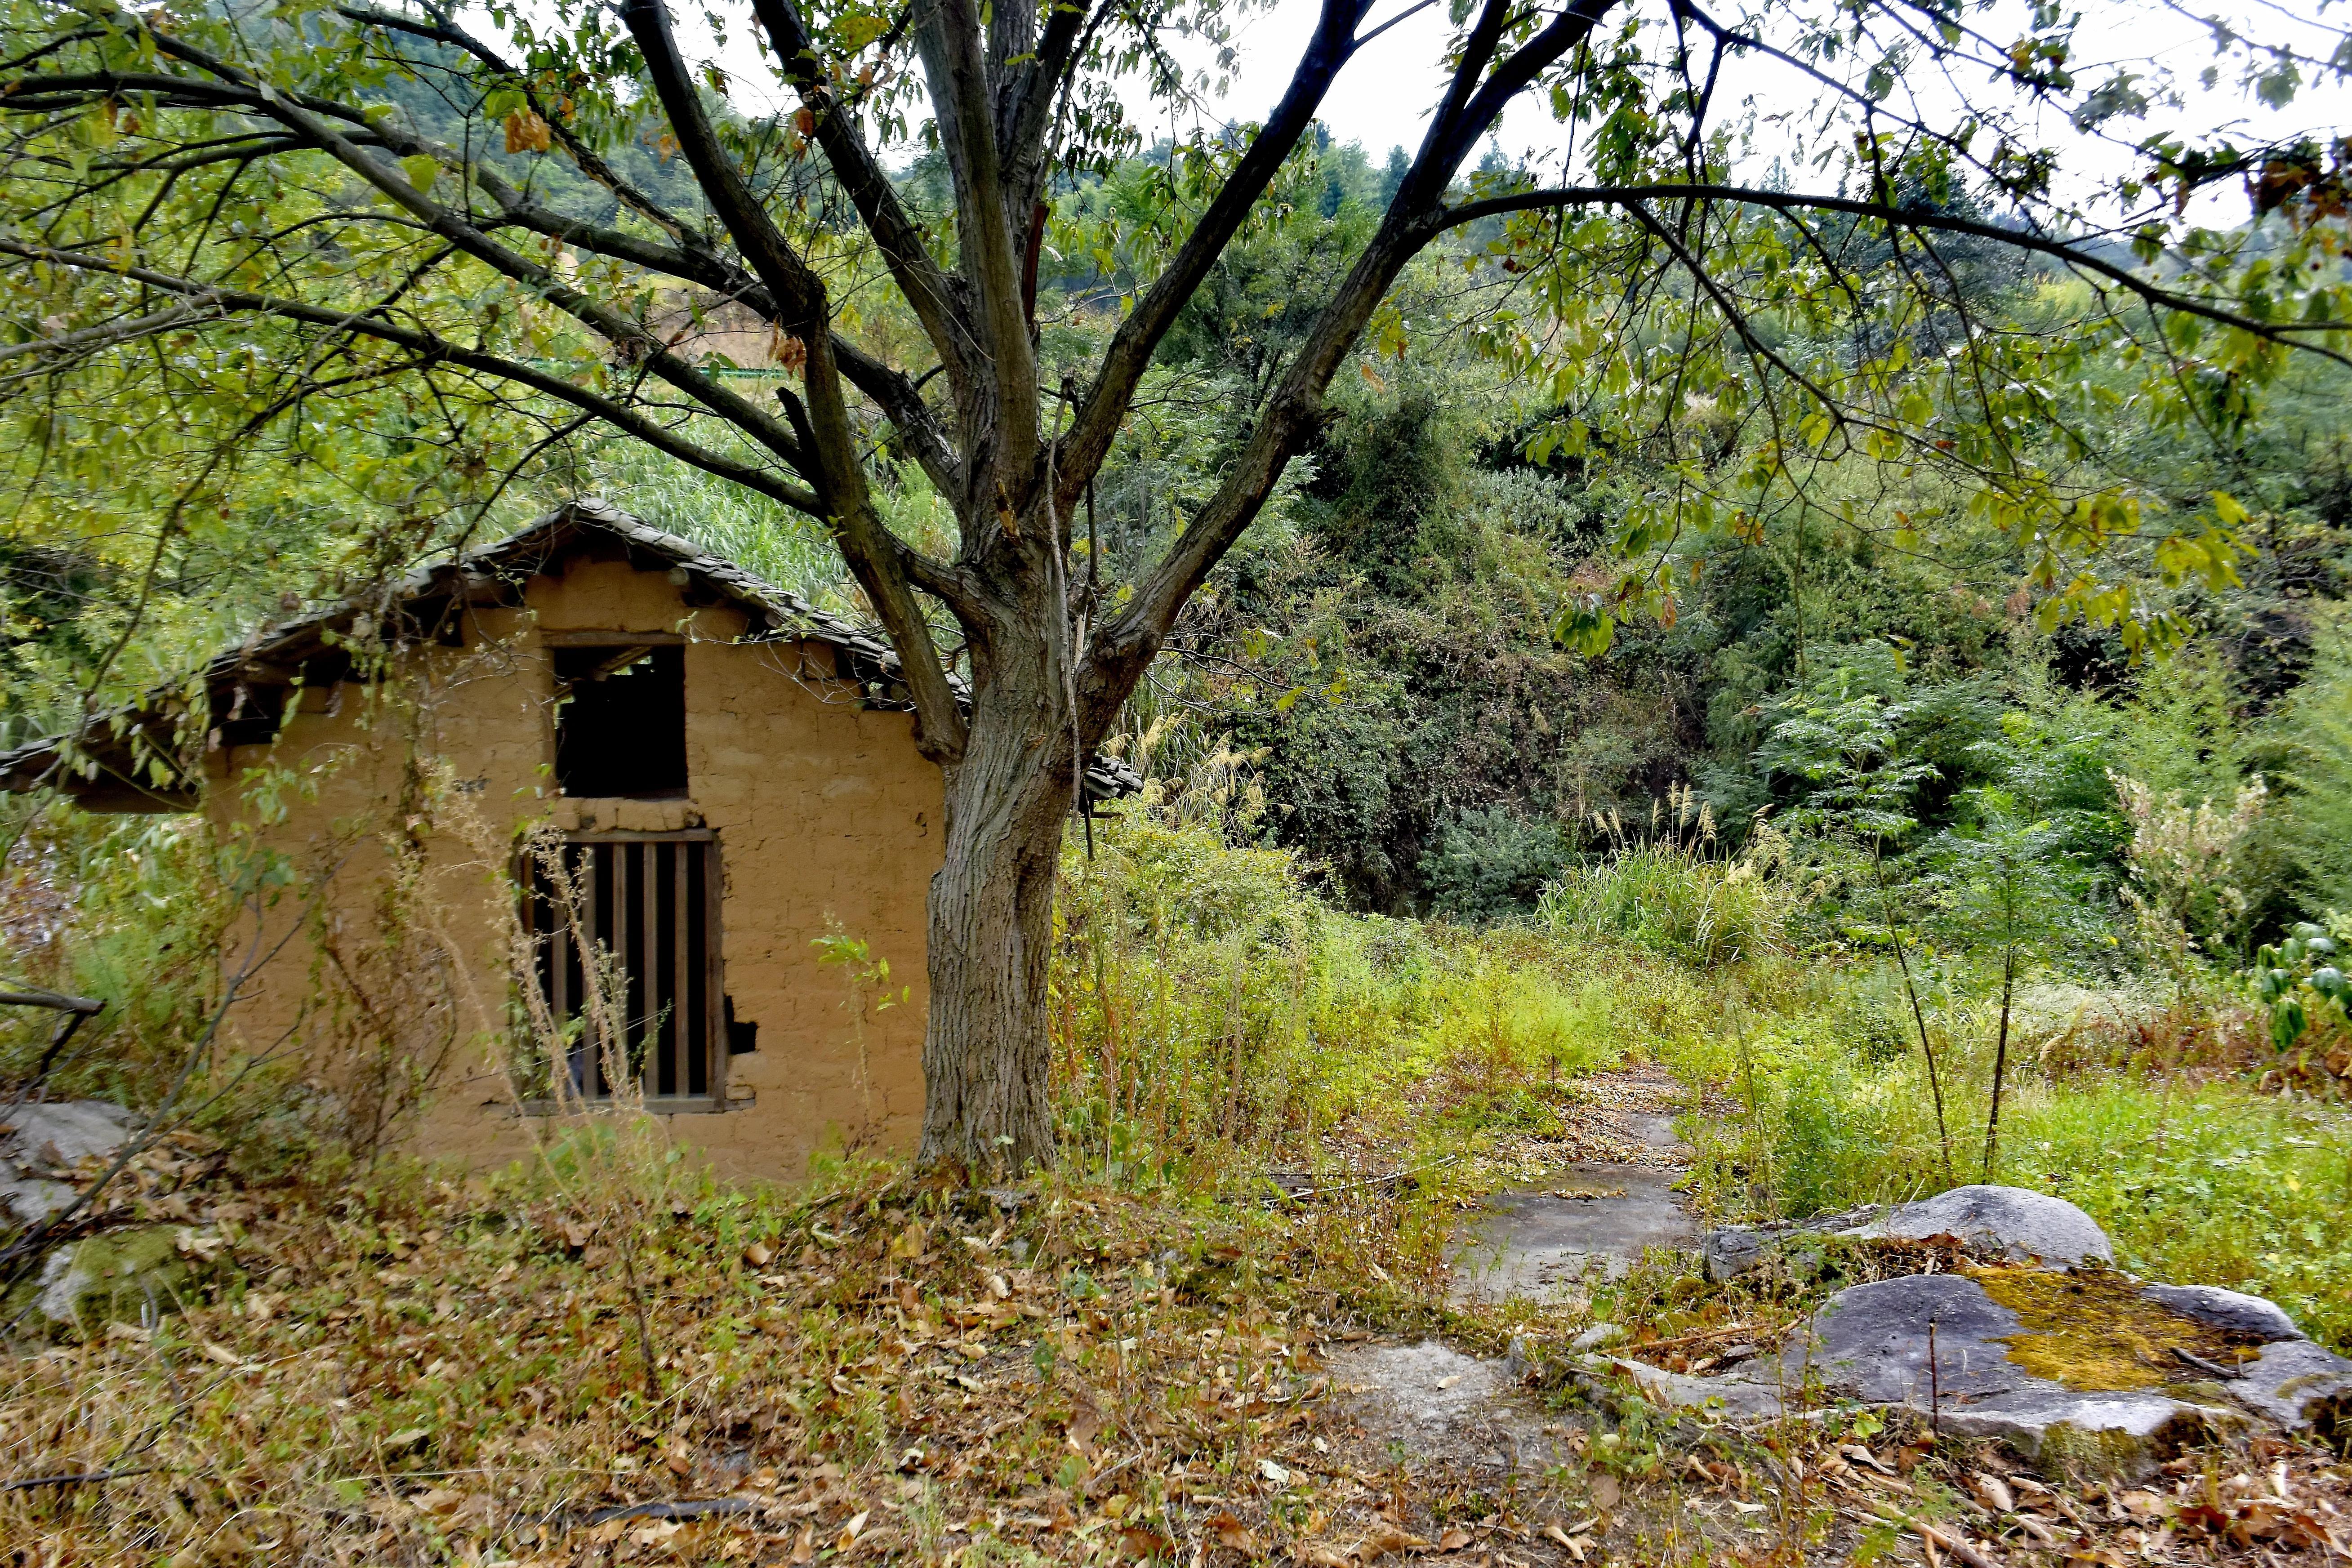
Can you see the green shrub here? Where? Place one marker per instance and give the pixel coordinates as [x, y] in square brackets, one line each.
[1492, 865]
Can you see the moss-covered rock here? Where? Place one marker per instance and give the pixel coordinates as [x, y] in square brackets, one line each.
[121, 1276]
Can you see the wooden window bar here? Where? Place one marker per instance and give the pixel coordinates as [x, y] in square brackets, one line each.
[649, 902]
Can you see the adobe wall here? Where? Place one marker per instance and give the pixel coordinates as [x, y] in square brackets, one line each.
[822, 811]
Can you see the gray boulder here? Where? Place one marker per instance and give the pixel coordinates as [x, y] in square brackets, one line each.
[126, 1276]
[52, 1136]
[2298, 1384]
[1728, 1251]
[1870, 1343]
[2261, 1320]
[2009, 1222]
[63, 1132]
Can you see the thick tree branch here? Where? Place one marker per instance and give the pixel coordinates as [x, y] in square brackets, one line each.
[1519, 69]
[875, 556]
[1001, 435]
[1130, 639]
[1025, 100]
[929, 291]
[1132, 347]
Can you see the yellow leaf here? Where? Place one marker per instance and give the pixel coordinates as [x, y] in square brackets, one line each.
[527, 132]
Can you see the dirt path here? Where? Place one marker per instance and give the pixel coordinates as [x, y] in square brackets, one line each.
[1543, 1242]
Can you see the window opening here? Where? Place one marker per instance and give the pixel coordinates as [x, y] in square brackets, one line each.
[650, 904]
[620, 722]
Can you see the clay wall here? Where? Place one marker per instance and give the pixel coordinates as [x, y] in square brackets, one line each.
[823, 811]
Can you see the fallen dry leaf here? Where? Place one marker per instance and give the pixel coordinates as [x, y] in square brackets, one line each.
[1383, 1542]
[1993, 1492]
[1231, 1532]
[1148, 1545]
[1605, 1492]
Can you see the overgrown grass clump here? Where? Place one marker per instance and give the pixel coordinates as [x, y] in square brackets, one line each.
[1674, 901]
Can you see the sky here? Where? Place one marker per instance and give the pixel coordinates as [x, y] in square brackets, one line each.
[1383, 96]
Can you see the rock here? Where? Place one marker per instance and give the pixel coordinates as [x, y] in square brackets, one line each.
[2001, 1222]
[1540, 1246]
[121, 1276]
[29, 1199]
[2116, 1434]
[63, 1132]
[2232, 1309]
[1728, 1251]
[1438, 1403]
[2073, 1371]
[2301, 1385]
[1594, 1337]
[52, 1135]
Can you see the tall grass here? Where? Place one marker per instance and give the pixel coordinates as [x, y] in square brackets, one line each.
[1675, 900]
[2194, 1182]
[1211, 1012]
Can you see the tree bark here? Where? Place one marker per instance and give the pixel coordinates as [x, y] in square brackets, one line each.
[987, 1103]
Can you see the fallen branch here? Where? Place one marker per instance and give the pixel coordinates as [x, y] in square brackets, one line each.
[77, 1478]
[55, 1000]
[684, 1508]
[2211, 1369]
[1281, 1180]
[1942, 1541]
[1679, 1341]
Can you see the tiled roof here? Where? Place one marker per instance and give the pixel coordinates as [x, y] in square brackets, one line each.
[132, 740]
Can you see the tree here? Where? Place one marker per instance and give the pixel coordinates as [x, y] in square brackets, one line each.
[2009, 882]
[303, 197]
[1861, 791]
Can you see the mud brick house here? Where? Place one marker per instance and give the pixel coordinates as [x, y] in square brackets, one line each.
[732, 774]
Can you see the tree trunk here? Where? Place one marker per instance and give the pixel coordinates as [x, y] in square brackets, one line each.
[986, 1060]
[1999, 1062]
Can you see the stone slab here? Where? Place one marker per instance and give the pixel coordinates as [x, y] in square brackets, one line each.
[1536, 1245]
[1869, 1344]
[2231, 1309]
[63, 1132]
